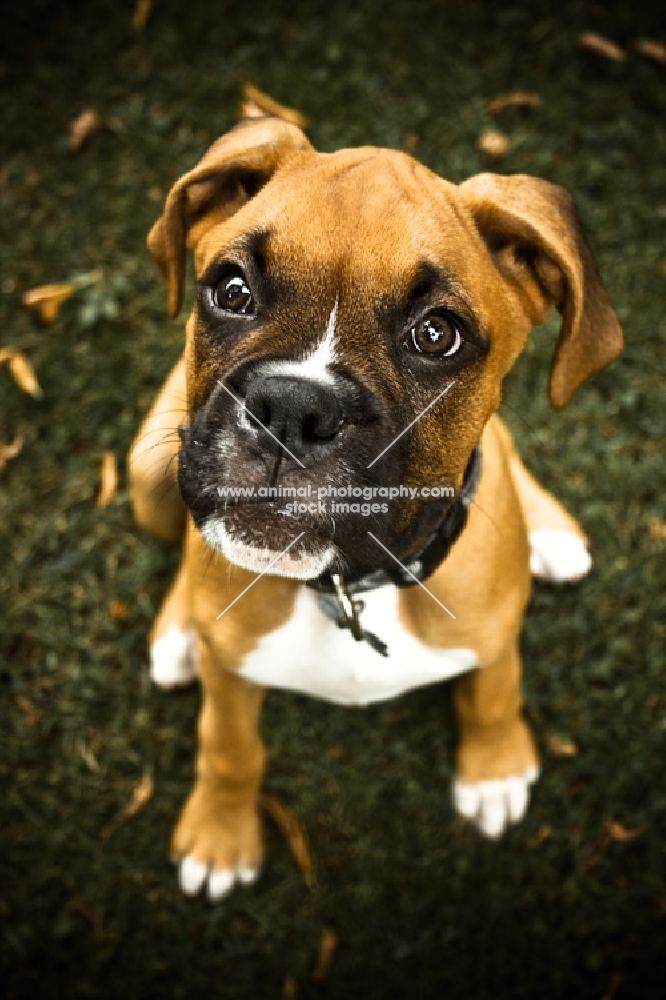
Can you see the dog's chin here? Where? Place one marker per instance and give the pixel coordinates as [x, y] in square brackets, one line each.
[304, 560]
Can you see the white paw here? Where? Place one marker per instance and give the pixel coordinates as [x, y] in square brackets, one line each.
[492, 805]
[192, 875]
[558, 555]
[173, 658]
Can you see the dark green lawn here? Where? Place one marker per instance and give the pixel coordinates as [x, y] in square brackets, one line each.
[565, 906]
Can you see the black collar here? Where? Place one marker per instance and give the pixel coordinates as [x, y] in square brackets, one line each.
[335, 590]
[433, 555]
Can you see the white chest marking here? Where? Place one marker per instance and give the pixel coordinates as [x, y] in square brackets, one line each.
[310, 654]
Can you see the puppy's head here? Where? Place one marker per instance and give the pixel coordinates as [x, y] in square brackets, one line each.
[355, 317]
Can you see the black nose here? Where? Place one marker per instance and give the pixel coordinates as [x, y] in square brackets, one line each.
[303, 416]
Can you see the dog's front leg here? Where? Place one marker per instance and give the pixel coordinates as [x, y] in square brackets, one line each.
[496, 760]
[218, 837]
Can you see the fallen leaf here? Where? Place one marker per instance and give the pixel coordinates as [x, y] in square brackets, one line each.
[327, 946]
[493, 143]
[87, 755]
[543, 833]
[516, 99]
[109, 476]
[83, 126]
[293, 832]
[24, 375]
[602, 46]
[118, 611]
[289, 988]
[616, 831]
[256, 104]
[31, 713]
[141, 14]
[652, 50]
[613, 986]
[560, 747]
[657, 530]
[9, 451]
[22, 371]
[47, 299]
[141, 794]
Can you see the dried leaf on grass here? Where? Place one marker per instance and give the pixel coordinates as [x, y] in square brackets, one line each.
[257, 104]
[560, 747]
[87, 755]
[141, 794]
[327, 946]
[651, 49]
[602, 46]
[109, 477]
[141, 14]
[616, 831]
[9, 451]
[293, 832]
[83, 126]
[30, 712]
[118, 611]
[543, 833]
[613, 986]
[516, 99]
[21, 369]
[493, 143]
[289, 988]
[657, 530]
[47, 299]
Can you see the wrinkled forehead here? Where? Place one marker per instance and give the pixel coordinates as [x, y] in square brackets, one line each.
[365, 215]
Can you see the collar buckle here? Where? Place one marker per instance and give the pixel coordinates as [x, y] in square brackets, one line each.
[348, 606]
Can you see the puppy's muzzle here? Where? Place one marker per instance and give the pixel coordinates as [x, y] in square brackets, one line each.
[304, 417]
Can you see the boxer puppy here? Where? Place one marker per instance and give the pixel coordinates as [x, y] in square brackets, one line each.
[355, 316]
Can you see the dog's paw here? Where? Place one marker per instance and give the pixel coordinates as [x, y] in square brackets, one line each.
[173, 658]
[558, 555]
[215, 848]
[193, 875]
[493, 805]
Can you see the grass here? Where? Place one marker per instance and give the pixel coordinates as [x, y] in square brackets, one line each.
[565, 905]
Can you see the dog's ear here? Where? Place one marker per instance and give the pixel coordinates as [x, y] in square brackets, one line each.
[534, 236]
[230, 173]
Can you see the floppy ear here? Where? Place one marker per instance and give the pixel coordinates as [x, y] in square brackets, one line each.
[534, 236]
[230, 173]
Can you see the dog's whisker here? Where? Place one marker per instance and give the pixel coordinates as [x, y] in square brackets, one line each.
[165, 439]
[485, 513]
[162, 492]
[164, 467]
[212, 555]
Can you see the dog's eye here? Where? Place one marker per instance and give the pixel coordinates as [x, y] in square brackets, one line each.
[233, 295]
[436, 334]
